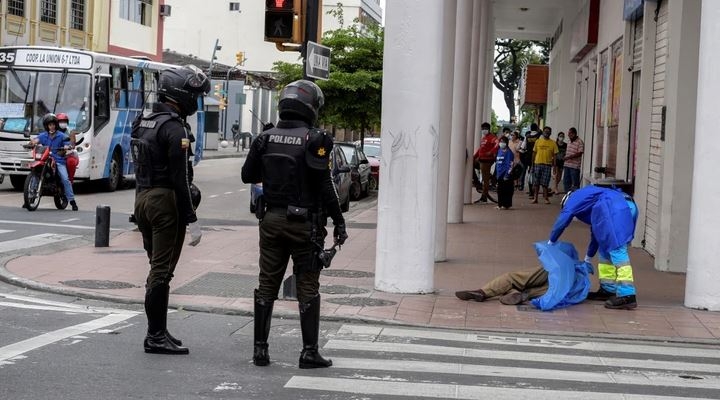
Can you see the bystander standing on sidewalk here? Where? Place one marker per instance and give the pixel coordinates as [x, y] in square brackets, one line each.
[543, 160]
[573, 161]
[527, 148]
[503, 165]
[559, 159]
[485, 155]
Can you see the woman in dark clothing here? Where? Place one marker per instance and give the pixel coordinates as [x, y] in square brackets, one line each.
[503, 166]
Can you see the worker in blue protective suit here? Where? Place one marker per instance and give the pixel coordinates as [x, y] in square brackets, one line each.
[611, 215]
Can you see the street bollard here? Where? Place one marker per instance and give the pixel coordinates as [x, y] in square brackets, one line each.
[289, 288]
[102, 226]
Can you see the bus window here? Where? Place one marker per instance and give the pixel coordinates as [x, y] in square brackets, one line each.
[73, 100]
[119, 86]
[150, 88]
[102, 103]
[135, 88]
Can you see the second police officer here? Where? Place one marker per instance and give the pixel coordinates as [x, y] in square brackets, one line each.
[292, 162]
[163, 202]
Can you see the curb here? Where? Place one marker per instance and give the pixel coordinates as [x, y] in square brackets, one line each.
[7, 277]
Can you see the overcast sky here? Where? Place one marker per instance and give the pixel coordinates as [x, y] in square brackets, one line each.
[498, 103]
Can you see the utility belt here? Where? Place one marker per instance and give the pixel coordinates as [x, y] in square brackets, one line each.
[321, 258]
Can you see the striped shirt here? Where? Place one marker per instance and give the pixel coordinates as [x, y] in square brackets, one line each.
[574, 148]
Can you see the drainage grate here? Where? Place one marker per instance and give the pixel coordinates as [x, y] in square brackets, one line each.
[341, 289]
[361, 302]
[93, 284]
[347, 273]
[220, 284]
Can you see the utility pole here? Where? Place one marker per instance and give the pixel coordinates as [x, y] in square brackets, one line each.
[212, 59]
[312, 14]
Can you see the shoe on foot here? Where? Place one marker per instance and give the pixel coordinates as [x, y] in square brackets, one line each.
[534, 201]
[600, 295]
[547, 201]
[74, 205]
[514, 298]
[483, 199]
[477, 295]
[621, 302]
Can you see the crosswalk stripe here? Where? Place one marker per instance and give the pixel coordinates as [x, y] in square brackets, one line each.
[50, 305]
[5, 231]
[34, 241]
[339, 344]
[452, 391]
[617, 377]
[68, 226]
[378, 331]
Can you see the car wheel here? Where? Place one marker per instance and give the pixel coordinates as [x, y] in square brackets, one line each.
[355, 191]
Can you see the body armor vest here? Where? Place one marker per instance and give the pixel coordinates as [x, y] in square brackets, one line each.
[285, 180]
[151, 160]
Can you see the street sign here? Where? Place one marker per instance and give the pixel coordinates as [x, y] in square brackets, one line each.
[317, 64]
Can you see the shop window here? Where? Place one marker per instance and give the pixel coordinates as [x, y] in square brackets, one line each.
[139, 11]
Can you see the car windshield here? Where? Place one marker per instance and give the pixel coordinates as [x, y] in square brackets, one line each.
[26, 96]
[349, 153]
[372, 150]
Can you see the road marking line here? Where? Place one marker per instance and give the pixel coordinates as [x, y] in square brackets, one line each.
[375, 332]
[228, 193]
[34, 241]
[438, 390]
[70, 220]
[214, 196]
[46, 308]
[242, 190]
[55, 225]
[519, 356]
[612, 377]
[5, 231]
[69, 307]
[19, 348]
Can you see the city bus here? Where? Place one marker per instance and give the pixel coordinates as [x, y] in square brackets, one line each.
[101, 93]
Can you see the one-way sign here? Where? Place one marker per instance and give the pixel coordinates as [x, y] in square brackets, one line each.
[317, 64]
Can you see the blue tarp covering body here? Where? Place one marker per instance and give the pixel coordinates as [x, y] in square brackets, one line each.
[568, 277]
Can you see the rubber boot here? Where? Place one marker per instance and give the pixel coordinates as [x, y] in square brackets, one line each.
[263, 318]
[157, 341]
[310, 327]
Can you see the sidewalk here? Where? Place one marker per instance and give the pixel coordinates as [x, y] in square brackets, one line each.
[219, 275]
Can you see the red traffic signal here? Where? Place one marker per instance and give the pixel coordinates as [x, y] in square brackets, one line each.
[283, 21]
[279, 5]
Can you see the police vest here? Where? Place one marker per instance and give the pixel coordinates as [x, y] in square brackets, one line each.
[284, 172]
[150, 158]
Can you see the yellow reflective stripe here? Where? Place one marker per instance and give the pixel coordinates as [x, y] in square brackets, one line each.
[625, 274]
[606, 272]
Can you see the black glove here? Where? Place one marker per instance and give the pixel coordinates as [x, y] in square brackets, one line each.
[340, 233]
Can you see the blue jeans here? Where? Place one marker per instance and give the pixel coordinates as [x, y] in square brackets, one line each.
[571, 178]
[62, 171]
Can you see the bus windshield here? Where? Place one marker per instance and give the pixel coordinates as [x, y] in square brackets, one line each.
[26, 96]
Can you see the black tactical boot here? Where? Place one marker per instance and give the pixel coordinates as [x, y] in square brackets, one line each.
[310, 327]
[263, 317]
[622, 302]
[600, 295]
[73, 204]
[157, 340]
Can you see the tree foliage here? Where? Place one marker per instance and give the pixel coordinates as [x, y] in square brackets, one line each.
[354, 91]
[510, 57]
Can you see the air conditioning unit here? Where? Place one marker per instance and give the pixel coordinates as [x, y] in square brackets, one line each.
[165, 10]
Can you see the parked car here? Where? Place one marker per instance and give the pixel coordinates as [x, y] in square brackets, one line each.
[340, 171]
[372, 152]
[360, 173]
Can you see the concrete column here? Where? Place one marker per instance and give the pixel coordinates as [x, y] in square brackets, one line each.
[448, 53]
[484, 75]
[410, 127]
[472, 96]
[702, 283]
[458, 153]
[490, 66]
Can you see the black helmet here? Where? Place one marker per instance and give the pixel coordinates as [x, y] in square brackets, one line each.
[301, 100]
[48, 118]
[183, 86]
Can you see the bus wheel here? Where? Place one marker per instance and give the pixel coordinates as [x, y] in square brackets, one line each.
[17, 181]
[112, 182]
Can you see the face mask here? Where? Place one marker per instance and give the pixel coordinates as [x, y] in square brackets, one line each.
[63, 125]
[561, 139]
[503, 145]
[484, 132]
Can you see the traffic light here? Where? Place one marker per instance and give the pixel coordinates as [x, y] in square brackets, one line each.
[283, 21]
[222, 103]
[240, 57]
[218, 90]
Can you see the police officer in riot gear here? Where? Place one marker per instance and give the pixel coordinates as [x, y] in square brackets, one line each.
[292, 162]
[163, 200]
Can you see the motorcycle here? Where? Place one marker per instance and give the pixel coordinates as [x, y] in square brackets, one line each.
[43, 179]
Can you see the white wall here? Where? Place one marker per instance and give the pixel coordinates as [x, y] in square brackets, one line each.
[132, 35]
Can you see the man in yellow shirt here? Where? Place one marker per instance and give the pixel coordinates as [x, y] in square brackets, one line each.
[544, 159]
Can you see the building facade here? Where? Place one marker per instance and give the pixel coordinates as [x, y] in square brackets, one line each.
[122, 27]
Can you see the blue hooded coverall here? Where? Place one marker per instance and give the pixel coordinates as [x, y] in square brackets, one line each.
[611, 215]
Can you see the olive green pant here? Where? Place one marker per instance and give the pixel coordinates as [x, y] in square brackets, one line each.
[163, 236]
[534, 282]
[281, 239]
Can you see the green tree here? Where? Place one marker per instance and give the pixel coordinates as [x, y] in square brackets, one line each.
[510, 57]
[354, 91]
[493, 121]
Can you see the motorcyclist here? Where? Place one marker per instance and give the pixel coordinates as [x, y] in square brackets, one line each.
[57, 141]
[71, 159]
